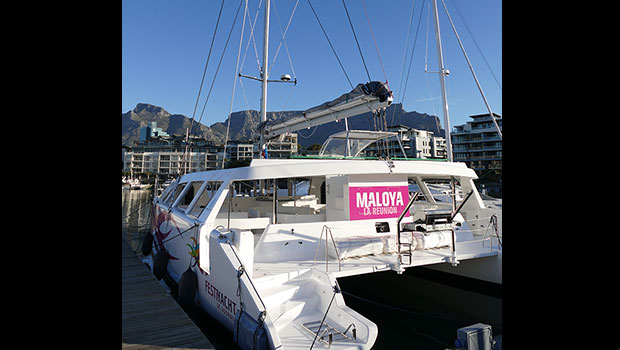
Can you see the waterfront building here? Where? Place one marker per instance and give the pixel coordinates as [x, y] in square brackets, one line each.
[282, 146]
[241, 150]
[421, 144]
[477, 144]
[164, 156]
[151, 131]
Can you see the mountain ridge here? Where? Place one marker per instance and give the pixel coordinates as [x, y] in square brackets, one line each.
[244, 123]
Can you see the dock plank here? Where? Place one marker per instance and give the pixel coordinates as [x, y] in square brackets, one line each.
[151, 318]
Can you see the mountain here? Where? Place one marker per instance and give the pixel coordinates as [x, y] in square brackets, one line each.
[243, 124]
[395, 115]
[173, 124]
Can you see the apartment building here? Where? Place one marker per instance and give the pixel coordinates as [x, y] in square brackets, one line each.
[421, 144]
[164, 156]
[477, 143]
[282, 146]
[240, 150]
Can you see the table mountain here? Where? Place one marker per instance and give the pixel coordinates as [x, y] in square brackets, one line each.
[243, 124]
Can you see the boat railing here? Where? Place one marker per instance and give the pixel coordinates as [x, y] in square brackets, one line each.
[487, 234]
[316, 156]
[262, 319]
[400, 244]
[319, 333]
[327, 231]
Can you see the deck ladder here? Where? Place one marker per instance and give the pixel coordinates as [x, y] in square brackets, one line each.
[407, 245]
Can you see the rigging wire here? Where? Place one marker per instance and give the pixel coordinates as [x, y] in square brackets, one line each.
[250, 39]
[217, 23]
[458, 12]
[288, 54]
[283, 35]
[428, 86]
[376, 47]
[356, 41]
[406, 48]
[232, 98]
[415, 41]
[252, 25]
[330, 44]
[184, 162]
[337, 58]
[499, 132]
[221, 57]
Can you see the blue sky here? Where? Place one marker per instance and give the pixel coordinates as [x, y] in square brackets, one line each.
[165, 46]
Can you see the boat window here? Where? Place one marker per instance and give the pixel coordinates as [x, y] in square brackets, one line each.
[297, 200]
[205, 197]
[177, 191]
[190, 194]
[435, 193]
[166, 193]
[441, 190]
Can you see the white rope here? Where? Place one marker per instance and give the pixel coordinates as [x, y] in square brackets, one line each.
[305, 137]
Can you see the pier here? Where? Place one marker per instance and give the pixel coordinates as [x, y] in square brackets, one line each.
[152, 319]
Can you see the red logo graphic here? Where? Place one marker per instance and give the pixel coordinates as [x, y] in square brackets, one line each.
[160, 222]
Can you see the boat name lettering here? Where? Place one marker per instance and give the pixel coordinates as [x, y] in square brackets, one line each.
[224, 303]
[384, 199]
[376, 201]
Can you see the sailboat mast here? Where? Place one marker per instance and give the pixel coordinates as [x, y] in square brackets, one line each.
[442, 74]
[263, 100]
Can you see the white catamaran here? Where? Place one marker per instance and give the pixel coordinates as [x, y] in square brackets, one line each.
[260, 248]
[266, 259]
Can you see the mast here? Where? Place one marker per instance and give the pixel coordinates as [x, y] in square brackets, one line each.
[442, 74]
[263, 100]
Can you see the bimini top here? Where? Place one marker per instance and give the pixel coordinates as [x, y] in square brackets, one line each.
[362, 99]
[291, 168]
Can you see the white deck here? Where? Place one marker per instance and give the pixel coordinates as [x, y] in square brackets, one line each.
[469, 249]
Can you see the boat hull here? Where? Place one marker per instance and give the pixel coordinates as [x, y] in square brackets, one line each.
[488, 269]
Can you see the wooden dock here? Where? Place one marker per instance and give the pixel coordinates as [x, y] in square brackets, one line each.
[152, 319]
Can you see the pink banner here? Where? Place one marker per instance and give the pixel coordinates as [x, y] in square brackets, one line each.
[377, 202]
